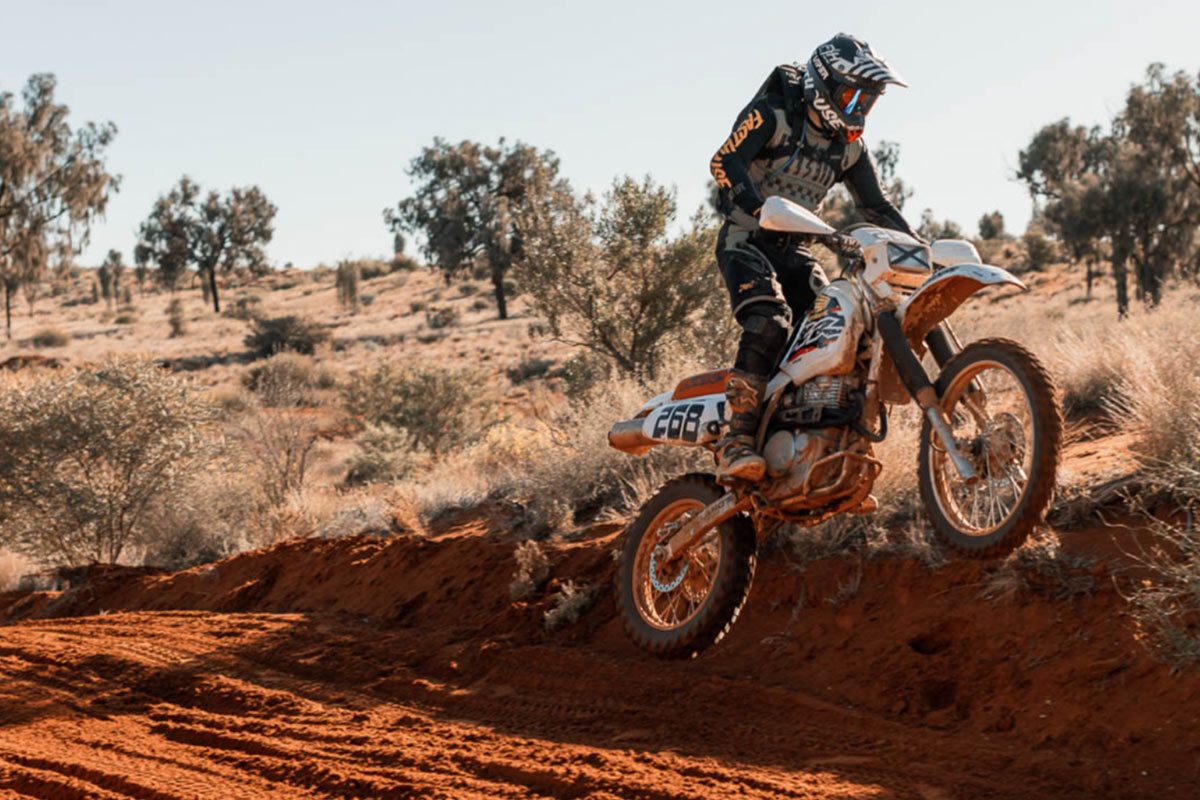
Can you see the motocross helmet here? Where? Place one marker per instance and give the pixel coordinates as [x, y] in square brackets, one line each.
[843, 80]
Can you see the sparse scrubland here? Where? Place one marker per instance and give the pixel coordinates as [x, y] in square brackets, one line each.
[416, 460]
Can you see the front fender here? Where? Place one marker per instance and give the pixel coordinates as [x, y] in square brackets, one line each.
[939, 296]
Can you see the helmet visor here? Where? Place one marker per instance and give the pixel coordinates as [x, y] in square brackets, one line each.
[853, 100]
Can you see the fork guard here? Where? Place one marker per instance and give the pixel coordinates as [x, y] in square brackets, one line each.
[942, 294]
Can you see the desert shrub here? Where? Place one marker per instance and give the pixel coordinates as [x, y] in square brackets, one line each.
[213, 516]
[481, 304]
[372, 269]
[570, 603]
[404, 263]
[326, 377]
[384, 454]
[1089, 372]
[273, 335]
[439, 406]
[51, 337]
[417, 306]
[232, 400]
[533, 570]
[467, 289]
[1040, 250]
[176, 318]
[1166, 605]
[246, 307]
[560, 471]
[367, 299]
[1041, 566]
[1158, 397]
[529, 369]
[445, 317]
[278, 442]
[284, 379]
[348, 277]
[126, 318]
[87, 452]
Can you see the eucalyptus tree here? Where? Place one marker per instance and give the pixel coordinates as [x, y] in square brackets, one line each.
[466, 206]
[212, 232]
[53, 183]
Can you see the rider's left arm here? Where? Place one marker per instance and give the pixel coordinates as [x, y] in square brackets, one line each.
[871, 198]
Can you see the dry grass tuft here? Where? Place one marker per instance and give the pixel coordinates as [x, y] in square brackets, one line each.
[1042, 567]
[1166, 605]
[571, 602]
[533, 570]
[12, 567]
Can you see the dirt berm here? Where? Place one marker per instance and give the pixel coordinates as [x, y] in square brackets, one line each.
[367, 667]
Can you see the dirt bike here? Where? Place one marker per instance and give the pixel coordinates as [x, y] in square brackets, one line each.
[989, 441]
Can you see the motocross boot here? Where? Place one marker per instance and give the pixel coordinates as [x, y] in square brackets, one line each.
[736, 457]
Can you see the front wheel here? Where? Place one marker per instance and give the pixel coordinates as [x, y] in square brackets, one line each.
[999, 401]
[676, 610]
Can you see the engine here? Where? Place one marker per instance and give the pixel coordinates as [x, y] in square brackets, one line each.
[808, 425]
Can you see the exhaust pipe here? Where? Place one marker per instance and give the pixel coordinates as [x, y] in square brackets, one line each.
[627, 437]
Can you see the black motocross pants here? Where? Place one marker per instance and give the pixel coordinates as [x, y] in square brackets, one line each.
[772, 279]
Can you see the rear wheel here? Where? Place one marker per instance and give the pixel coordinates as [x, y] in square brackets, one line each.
[999, 401]
[676, 610]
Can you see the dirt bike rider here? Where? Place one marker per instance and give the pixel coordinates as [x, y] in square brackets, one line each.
[796, 138]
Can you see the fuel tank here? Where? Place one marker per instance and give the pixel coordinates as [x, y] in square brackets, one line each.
[826, 343]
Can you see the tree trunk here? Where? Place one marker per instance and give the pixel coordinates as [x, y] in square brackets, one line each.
[1118, 265]
[212, 287]
[8, 309]
[501, 300]
[1090, 276]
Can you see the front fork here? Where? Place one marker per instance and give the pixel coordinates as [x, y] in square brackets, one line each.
[916, 381]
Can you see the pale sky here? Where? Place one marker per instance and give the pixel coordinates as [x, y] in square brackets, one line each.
[324, 104]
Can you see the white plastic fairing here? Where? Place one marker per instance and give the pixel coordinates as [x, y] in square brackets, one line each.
[828, 339]
[781, 214]
[948, 252]
[689, 422]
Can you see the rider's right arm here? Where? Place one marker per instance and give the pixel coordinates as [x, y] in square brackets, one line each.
[730, 166]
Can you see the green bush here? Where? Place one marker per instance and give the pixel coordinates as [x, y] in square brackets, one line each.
[439, 407]
[86, 453]
[126, 318]
[273, 335]
[480, 304]
[417, 306]
[51, 337]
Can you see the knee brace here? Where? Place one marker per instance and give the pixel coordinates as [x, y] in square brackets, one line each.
[764, 334]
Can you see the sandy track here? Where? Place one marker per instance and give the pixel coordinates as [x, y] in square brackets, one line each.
[399, 668]
[174, 705]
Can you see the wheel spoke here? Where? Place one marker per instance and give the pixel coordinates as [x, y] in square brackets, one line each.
[999, 430]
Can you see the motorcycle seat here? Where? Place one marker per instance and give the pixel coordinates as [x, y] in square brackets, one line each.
[705, 383]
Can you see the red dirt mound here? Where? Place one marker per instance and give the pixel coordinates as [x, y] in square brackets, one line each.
[367, 667]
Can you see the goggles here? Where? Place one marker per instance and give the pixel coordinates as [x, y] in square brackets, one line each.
[853, 100]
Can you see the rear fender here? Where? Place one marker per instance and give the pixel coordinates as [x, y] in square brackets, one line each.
[942, 294]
